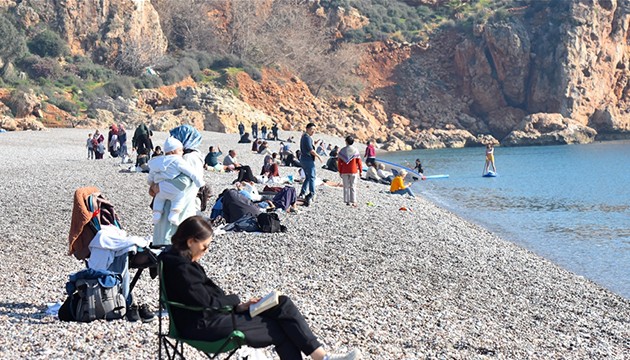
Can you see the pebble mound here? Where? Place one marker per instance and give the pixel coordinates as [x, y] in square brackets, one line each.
[397, 284]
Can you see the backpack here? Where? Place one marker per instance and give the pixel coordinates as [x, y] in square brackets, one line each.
[270, 223]
[245, 223]
[92, 301]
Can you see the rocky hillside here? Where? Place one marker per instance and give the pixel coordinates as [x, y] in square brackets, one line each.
[543, 72]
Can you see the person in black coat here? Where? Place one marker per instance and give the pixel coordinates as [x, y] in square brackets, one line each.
[186, 282]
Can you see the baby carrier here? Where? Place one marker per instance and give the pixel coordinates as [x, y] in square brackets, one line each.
[90, 211]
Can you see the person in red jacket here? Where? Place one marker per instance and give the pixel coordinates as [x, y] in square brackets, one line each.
[350, 168]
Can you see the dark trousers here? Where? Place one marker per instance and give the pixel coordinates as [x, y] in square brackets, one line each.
[283, 326]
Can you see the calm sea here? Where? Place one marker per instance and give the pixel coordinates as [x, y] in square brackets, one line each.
[570, 204]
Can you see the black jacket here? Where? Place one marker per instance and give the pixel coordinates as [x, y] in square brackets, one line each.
[186, 282]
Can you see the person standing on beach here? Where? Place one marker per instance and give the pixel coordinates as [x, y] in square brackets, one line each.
[419, 168]
[241, 128]
[370, 154]
[255, 130]
[263, 131]
[274, 131]
[350, 168]
[98, 144]
[307, 161]
[489, 159]
[90, 147]
[122, 140]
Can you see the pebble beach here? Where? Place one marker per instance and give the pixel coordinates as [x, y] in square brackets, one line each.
[416, 284]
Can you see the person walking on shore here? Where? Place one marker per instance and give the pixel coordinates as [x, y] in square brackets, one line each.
[350, 168]
[307, 161]
[489, 159]
[370, 154]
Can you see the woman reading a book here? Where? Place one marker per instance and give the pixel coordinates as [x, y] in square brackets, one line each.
[186, 282]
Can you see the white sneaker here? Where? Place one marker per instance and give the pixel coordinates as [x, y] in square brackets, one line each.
[352, 355]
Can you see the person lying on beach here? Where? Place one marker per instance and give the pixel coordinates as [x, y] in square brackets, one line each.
[186, 282]
[249, 190]
[398, 185]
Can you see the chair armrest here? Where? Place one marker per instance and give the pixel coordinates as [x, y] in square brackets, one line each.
[224, 310]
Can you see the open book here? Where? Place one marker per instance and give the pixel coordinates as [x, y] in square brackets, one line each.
[267, 302]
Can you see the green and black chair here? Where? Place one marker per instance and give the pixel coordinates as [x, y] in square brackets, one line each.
[173, 343]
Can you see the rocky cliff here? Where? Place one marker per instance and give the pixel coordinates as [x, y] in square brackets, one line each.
[568, 57]
[104, 29]
[553, 71]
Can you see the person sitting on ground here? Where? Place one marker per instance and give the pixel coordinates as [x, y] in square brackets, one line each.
[230, 162]
[168, 167]
[157, 152]
[256, 144]
[211, 162]
[270, 168]
[186, 282]
[263, 149]
[331, 163]
[371, 174]
[385, 176]
[321, 148]
[398, 185]
[142, 160]
[244, 139]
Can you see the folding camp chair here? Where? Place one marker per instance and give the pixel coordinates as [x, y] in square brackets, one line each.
[175, 349]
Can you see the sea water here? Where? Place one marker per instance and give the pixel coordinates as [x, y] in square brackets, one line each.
[570, 204]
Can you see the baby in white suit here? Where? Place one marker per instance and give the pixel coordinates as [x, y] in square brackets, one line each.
[163, 170]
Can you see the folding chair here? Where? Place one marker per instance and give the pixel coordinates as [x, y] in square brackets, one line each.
[175, 349]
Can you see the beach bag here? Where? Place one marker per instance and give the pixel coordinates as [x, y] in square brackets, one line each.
[270, 223]
[92, 301]
[245, 223]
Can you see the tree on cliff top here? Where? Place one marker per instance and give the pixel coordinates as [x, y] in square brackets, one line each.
[280, 33]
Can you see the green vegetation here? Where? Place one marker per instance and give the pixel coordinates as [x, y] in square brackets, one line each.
[12, 43]
[48, 44]
[398, 20]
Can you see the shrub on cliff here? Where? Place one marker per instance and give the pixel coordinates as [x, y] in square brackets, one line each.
[121, 86]
[48, 44]
[12, 45]
[41, 68]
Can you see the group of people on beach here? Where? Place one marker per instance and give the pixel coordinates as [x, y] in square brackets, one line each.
[174, 179]
[116, 143]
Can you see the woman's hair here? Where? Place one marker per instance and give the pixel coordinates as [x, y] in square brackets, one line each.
[196, 228]
[349, 140]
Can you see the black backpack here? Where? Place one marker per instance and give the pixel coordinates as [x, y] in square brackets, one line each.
[270, 223]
